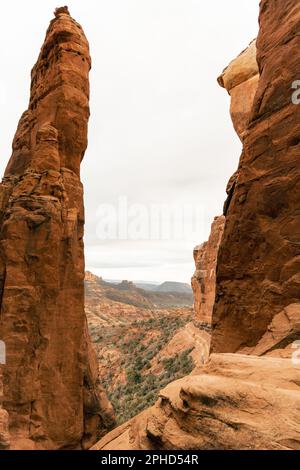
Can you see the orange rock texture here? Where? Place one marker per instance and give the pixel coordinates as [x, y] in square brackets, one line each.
[51, 386]
[240, 79]
[4, 420]
[259, 258]
[204, 278]
[234, 402]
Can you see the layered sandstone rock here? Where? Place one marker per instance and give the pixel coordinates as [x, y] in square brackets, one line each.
[259, 257]
[51, 384]
[204, 278]
[282, 333]
[240, 79]
[234, 402]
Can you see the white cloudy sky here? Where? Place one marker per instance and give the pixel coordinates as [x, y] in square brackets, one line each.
[160, 132]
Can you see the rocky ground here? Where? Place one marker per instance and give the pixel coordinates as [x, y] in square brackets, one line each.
[234, 402]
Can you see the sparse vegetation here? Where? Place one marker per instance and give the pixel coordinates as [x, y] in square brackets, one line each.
[137, 348]
[130, 327]
[141, 391]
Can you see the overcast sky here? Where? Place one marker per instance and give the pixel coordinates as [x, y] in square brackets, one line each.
[160, 131]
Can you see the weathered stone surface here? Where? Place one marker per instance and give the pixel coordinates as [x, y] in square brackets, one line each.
[234, 402]
[259, 257]
[204, 278]
[282, 333]
[4, 420]
[51, 384]
[240, 79]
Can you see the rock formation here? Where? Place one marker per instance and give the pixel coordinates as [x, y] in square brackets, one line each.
[259, 258]
[240, 79]
[239, 401]
[235, 402]
[4, 420]
[204, 278]
[51, 388]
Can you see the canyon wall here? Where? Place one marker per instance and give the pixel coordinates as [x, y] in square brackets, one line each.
[259, 257]
[204, 278]
[51, 386]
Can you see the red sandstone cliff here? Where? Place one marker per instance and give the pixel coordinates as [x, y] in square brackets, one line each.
[258, 264]
[204, 278]
[51, 388]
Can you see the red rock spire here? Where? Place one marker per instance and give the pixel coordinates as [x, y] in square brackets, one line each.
[51, 377]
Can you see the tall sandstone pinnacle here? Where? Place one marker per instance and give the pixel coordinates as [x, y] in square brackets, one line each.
[258, 280]
[51, 388]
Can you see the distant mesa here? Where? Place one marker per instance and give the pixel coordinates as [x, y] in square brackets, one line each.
[141, 294]
[170, 287]
[177, 287]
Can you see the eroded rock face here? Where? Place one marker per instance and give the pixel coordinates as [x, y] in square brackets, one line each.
[282, 333]
[259, 257]
[235, 402]
[204, 278]
[4, 420]
[240, 79]
[51, 388]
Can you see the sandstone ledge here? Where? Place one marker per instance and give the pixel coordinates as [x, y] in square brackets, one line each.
[229, 404]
